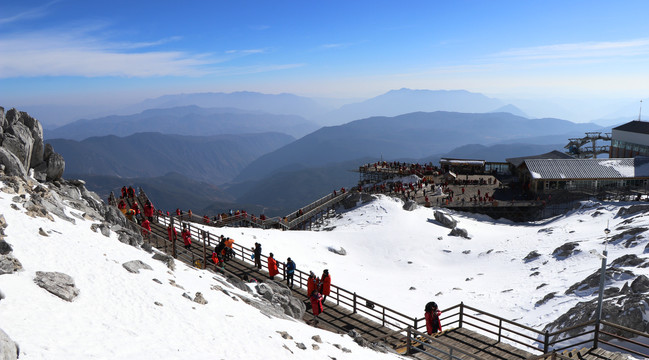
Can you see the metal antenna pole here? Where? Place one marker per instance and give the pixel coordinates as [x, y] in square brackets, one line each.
[602, 279]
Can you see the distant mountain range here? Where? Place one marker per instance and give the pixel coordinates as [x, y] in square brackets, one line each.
[414, 135]
[404, 101]
[212, 159]
[186, 120]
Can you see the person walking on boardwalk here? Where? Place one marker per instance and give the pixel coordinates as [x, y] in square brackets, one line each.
[316, 304]
[187, 238]
[325, 284]
[172, 233]
[433, 325]
[272, 267]
[257, 253]
[312, 283]
[290, 271]
[146, 228]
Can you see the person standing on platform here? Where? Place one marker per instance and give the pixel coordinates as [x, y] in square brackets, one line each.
[257, 253]
[290, 271]
[433, 325]
[272, 267]
[312, 283]
[316, 304]
[325, 284]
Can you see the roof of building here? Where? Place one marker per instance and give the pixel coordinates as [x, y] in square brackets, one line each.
[588, 169]
[551, 155]
[462, 161]
[635, 126]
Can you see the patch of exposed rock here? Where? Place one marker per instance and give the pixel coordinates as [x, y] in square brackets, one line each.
[134, 266]
[9, 264]
[566, 250]
[279, 299]
[590, 285]
[9, 350]
[59, 284]
[632, 210]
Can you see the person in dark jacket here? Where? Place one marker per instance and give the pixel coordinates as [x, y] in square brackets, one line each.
[290, 271]
[432, 314]
[257, 252]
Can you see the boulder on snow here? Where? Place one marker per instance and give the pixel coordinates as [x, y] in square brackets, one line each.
[459, 232]
[533, 255]
[640, 285]
[5, 248]
[59, 284]
[199, 299]
[631, 210]
[134, 266]
[280, 296]
[410, 205]
[8, 348]
[565, 250]
[9, 264]
[165, 259]
[445, 219]
[340, 251]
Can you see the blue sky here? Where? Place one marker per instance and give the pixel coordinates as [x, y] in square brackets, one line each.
[99, 52]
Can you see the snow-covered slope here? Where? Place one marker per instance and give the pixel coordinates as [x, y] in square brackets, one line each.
[402, 260]
[122, 315]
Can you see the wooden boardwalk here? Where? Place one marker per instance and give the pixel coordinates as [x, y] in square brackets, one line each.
[466, 343]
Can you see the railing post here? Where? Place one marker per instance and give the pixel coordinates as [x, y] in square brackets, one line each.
[546, 342]
[500, 329]
[204, 250]
[408, 342]
[461, 314]
[383, 320]
[596, 337]
[354, 305]
[173, 241]
[416, 324]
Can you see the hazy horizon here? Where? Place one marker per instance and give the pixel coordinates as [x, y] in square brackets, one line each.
[579, 60]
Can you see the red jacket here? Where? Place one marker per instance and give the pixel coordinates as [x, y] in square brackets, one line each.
[187, 237]
[432, 321]
[171, 231]
[146, 227]
[135, 208]
[311, 284]
[325, 284]
[272, 267]
[316, 303]
[148, 210]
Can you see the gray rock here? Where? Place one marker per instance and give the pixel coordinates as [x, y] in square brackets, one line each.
[565, 250]
[199, 299]
[280, 296]
[5, 248]
[130, 237]
[3, 222]
[445, 219]
[459, 232]
[317, 339]
[284, 335]
[103, 228]
[13, 165]
[410, 205]
[55, 167]
[631, 210]
[340, 251]
[9, 264]
[590, 285]
[640, 285]
[166, 259]
[237, 283]
[134, 266]
[300, 346]
[533, 255]
[59, 284]
[18, 139]
[8, 348]
[629, 260]
[187, 296]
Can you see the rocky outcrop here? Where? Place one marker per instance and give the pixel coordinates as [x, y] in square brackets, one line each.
[280, 297]
[565, 250]
[410, 205]
[22, 148]
[59, 284]
[631, 210]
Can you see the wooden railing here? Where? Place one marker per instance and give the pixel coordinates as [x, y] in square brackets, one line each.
[461, 315]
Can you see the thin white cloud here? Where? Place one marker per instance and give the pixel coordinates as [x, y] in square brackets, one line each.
[604, 49]
[76, 53]
[34, 13]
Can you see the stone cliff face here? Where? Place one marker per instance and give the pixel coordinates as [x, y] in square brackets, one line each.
[22, 148]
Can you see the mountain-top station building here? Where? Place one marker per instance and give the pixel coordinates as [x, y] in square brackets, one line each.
[540, 185]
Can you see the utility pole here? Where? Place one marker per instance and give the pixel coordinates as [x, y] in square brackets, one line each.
[602, 279]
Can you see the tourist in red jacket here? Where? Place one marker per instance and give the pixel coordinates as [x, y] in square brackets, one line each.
[325, 284]
[146, 228]
[316, 304]
[312, 283]
[148, 210]
[272, 267]
[432, 314]
[187, 238]
[173, 234]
